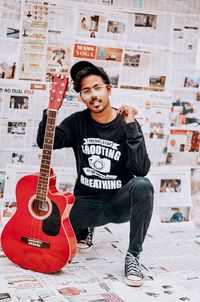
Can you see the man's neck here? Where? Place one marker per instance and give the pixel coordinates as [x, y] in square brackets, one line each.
[104, 117]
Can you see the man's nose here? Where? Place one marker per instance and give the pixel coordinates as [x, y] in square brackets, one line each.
[93, 92]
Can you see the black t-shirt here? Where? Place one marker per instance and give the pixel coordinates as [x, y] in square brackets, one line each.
[107, 155]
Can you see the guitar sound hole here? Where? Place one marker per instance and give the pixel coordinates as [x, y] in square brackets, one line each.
[40, 208]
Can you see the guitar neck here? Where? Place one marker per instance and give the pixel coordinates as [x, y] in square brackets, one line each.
[57, 94]
[43, 181]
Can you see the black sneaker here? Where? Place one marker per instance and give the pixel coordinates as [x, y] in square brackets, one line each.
[85, 244]
[133, 274]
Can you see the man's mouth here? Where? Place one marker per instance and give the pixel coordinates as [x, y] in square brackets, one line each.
[96, 103]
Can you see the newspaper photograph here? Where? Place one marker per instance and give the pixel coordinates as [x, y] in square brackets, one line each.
[101, 25]
[174, 214]
[172, 187]
[8, 209]
[7, 66]
[186, 159]
[58, 61]
[185, 114]
[149, 28]
[183, 141]
[15, 133]
[2, 183]
[187, 79]
[14, 157]
[144, 68]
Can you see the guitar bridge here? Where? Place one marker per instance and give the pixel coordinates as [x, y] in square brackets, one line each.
[35, 242]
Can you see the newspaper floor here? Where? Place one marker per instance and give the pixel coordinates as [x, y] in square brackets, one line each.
[170, 261]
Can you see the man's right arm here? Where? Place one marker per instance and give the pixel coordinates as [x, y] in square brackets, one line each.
[63, 133]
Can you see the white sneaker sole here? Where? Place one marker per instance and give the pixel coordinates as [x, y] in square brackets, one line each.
[84, 249]
[135, 283]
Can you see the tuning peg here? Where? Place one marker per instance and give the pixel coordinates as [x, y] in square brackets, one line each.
[60, 92]
[58, 75]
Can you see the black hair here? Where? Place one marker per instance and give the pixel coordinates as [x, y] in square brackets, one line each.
[89, 71]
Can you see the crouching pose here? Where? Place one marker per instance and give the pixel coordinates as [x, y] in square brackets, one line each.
[111, 160]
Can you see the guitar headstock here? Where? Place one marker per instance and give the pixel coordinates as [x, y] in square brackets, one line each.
[58, 88]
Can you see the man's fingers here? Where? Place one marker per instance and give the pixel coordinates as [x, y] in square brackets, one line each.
[126, 110]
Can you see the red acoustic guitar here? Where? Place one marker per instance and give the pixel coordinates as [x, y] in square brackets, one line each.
[39, 236]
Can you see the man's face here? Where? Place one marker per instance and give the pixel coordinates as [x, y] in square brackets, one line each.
[95, 93]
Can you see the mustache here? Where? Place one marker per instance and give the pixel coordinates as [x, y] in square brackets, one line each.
[95, 99]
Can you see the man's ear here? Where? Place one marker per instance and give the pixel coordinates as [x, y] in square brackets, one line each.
[109, 88]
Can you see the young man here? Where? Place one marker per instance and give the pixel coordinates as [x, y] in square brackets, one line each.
[111, 161]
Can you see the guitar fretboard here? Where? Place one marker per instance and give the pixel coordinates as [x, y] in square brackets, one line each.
[43, 180]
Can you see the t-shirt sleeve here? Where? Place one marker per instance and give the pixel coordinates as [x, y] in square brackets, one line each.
[64, 134]
[138, 159]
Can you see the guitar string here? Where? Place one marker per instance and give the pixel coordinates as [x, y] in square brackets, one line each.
[39, 202]
[50, 121]
[35, 221]
[49, 141]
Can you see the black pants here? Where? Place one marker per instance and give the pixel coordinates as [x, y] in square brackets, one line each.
[133, 202]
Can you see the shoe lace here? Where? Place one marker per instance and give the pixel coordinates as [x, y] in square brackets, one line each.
[88, 239]
[89, 236]
[132, 266]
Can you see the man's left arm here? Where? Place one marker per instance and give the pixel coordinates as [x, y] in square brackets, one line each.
[138, 159]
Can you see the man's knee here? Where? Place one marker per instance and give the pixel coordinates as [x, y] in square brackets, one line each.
[142, 183]
[142, 189]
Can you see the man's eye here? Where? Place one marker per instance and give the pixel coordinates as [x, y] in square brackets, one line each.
[86, 91]
[97, 88]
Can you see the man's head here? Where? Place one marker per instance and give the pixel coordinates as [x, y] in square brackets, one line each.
[84, 68]
[93, 84]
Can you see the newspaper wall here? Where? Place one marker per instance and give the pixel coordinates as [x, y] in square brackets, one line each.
[148, 48]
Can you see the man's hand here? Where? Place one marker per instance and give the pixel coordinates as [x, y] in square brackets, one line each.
[128, 113]
[46, 111]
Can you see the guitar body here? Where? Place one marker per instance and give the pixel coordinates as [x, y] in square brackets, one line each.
[40, 239]
[39, 236]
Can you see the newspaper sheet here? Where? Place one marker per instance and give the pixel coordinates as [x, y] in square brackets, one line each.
[177, 187]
